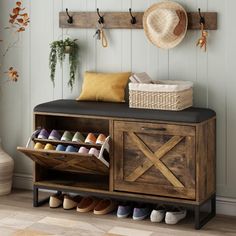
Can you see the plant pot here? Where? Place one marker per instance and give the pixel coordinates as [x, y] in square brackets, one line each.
[6, 172]
[68, 49]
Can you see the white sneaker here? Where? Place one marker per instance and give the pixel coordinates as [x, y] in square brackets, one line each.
[157, 215]
[173, 217]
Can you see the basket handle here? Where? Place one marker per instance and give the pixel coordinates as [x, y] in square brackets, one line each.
[153, 129]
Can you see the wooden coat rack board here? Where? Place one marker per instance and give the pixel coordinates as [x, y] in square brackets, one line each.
[122, 20]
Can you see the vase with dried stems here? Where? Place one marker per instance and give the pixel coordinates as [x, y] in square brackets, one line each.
[18, 22]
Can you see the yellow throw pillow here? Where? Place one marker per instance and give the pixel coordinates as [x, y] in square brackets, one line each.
[106, 87]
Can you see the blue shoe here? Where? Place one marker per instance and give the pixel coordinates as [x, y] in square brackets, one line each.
[140, 213]
[71, 149]
[60, 148]
[124, 211]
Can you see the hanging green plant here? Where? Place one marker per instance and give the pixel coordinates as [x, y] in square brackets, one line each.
[58, 52]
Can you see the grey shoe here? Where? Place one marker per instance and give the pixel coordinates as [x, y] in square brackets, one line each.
[124, 210]
[140, 213]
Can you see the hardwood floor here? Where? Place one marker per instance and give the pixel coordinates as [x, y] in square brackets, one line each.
[19, 218]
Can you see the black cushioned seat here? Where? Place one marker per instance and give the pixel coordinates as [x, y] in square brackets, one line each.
[122, 110]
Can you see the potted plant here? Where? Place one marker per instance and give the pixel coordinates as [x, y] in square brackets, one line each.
[58, 52]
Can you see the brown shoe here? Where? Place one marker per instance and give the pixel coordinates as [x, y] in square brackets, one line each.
[87, 204]
[104, 207]
[70, 203]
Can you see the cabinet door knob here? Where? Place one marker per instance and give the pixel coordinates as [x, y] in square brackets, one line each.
[153, 129]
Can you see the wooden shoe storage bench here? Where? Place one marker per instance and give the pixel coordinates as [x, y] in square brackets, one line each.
[155, 156]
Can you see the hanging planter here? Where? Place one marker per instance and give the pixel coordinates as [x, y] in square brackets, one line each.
[58, 52]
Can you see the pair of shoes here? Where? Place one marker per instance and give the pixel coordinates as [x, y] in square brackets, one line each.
[139, 213]
[91, 151]
[69, 148]
[171, 216]
[99, 207]
[67, 201]
[91, 139]
[48, 146]
[54, 135]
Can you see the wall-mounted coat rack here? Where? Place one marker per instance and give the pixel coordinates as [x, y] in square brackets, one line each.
[127, 20]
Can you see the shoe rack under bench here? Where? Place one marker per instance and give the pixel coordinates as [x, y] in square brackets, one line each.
[150, 161]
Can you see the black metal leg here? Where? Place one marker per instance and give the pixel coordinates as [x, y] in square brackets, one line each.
[200, 222]
[36, 202]
[35, 196]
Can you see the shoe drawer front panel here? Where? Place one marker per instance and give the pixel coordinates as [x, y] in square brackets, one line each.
[65, 161]
[156, 159]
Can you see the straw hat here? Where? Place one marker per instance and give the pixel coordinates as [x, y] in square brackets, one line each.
[165, 24]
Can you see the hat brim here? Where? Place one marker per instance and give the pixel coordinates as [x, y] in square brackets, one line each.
[159, 42]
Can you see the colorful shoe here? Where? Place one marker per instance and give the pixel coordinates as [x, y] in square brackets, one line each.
[70, 203]
[87, 204]
[56, 200]
[61, 148]
[104, 207]
[94, 151]
[140, 213]
[124, 210]
[38, 146]
[54, 135]
[173, 217]
[49, 146]
[78, 137]
[158, 214]
[83, 150]
[101, 139]
[91, 139]
[71, 149]
[67, 136]
[43, 134]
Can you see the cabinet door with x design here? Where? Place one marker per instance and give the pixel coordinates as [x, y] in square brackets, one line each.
[155, 159]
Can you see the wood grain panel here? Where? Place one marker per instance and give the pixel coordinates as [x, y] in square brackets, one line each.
[153, 158]
[205, 160]
[159, 154]
[156, 128]
[64, 161]
[149, 188]
[121, 20]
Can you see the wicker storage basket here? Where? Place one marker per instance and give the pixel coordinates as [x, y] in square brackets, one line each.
[161, 95]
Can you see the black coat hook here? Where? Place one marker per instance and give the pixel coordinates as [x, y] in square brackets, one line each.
[70, 18]
[133, 19]
[202, 19]
[101, 18]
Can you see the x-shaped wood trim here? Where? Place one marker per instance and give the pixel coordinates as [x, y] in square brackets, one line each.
[154, 159]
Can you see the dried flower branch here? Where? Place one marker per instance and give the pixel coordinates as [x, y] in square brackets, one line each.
[12, 74]
[19, 20]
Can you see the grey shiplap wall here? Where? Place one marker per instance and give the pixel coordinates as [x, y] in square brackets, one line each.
[213, 73]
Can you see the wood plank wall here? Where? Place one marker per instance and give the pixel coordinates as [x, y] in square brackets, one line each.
[213, 72]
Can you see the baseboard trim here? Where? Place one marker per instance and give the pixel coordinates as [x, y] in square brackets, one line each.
[22, 181]
[224, 206]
